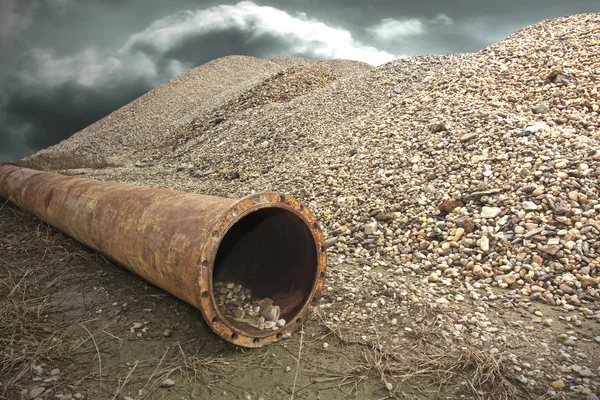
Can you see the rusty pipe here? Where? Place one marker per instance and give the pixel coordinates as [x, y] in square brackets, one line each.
[184, 242]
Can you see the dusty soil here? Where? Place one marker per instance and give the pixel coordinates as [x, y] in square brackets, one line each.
[83, 309]
[460, 197]
[78, 313]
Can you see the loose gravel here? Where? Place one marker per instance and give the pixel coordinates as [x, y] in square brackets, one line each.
[467, 183]
[238, 303]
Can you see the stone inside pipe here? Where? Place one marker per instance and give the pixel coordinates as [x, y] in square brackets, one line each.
[185, 243]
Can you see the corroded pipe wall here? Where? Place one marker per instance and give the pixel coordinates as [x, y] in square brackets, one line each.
[167, 237]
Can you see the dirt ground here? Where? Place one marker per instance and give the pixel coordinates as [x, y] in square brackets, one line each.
[81, 310]
[74, 324]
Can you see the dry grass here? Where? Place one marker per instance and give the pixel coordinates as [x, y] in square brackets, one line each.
[423, 361]
[479, 372]
[29, 335]
[427, 362]
[191, 369]
[187, 370]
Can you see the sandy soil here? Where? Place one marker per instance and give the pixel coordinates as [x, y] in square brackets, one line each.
[79, 310]
[460, 198]
[112, 335]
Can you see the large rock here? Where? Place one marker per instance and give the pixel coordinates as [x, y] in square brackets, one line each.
[271, 313]
[490, 212]
[539, 109]
[437, 128]
[447, 206]
[36, 392]
[371, 228]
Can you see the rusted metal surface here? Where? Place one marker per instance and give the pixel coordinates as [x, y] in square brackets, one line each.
[181, 242]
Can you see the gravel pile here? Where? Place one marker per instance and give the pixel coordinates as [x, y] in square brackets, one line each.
[471, 167]
[147, 124]
[238, 303]
[439, 180]
[285, 85]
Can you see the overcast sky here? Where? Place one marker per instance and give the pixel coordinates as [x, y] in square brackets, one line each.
[67, 63]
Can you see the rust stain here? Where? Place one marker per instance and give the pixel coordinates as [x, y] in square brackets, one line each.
[167, 237]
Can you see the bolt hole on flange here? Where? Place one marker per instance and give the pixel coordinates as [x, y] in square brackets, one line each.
[234, 336]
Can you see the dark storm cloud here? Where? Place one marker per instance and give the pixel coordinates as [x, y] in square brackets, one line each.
[249, 26]
[197, 50]
[15, 18]
[55, 96]
[81, 59]
[476, 23]
[43, 116]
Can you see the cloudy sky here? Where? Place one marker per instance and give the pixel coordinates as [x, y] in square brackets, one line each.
[67, 63]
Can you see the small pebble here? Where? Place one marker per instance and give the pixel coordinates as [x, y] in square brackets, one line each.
[270, 313]
[558, 384]
[270, 324]
[167, 383]
[36, 392]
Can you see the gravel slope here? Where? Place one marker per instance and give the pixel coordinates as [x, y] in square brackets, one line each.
[155, 116]
[439, 180]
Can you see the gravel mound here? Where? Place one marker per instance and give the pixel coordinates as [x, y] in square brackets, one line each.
[472, 167]
[147, 123]
[438, 179]
[287, 84]
[479, 166]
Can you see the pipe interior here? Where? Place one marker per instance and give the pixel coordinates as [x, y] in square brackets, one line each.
[273, 253]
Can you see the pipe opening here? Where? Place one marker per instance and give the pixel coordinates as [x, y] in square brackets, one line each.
[272, 253]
